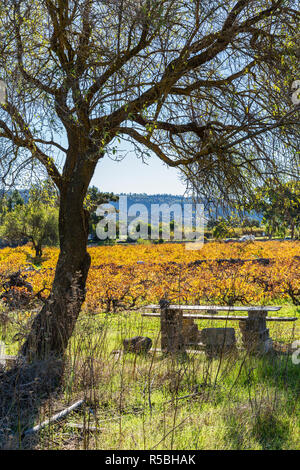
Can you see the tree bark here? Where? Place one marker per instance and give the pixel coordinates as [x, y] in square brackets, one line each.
[54, 325]
[292, 230]
[38, 251]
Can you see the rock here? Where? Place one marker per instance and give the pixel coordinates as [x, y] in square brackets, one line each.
[137, 344]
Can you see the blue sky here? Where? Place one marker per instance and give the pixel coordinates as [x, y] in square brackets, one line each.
[131, 175]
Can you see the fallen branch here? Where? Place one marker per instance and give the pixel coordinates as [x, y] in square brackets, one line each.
[53, 419]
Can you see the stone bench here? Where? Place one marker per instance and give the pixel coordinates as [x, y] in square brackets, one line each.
[179, 330]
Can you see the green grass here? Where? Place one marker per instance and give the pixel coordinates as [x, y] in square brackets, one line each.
[158, 402]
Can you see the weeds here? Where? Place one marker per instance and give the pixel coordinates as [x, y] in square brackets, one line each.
[149, 401]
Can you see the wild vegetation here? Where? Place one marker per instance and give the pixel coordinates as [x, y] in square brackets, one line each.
[153, 401]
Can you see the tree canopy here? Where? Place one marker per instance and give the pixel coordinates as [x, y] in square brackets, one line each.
[205, 85]
[36, 221]
[280, 206]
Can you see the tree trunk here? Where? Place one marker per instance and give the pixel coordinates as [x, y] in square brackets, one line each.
[292, 231]
[54, 325]
[38, 250]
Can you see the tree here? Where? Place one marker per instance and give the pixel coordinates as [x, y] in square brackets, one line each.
[203, 85]
[280, 206]
[221, 229]
[36, 221]
[14, 200]
[9, 203]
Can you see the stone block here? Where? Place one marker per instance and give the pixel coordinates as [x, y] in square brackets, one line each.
[190, 331]
[218, 336]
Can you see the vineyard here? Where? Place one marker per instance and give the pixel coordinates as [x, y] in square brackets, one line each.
[125, 277]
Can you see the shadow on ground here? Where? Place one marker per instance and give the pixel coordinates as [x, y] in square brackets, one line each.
[23, 390]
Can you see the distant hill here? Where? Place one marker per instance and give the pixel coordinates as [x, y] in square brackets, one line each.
[149, 199]
[212, 211]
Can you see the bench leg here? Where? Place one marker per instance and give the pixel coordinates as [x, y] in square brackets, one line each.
[172, 340]
[255, 334]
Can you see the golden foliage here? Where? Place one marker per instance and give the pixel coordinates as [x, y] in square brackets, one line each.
[222, 273]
